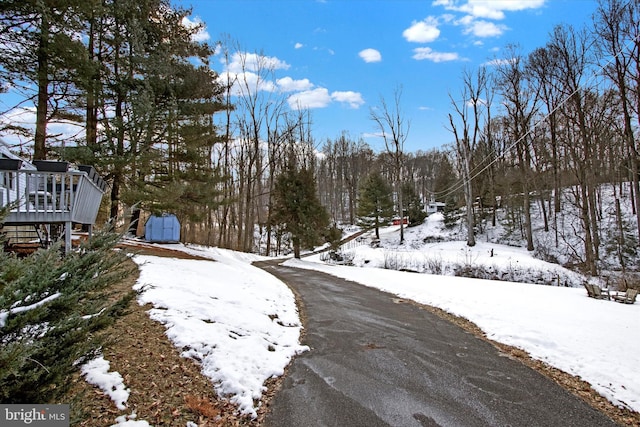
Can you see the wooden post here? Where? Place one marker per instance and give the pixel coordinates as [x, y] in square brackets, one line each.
[67, 237]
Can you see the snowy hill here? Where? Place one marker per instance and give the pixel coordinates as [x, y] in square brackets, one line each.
[500, 252]
[431, 248]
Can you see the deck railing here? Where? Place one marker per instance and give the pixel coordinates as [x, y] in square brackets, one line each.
[49, 197]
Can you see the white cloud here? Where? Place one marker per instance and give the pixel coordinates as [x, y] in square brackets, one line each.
[482, 28]
[370, 55]
[482, 11]
[479, 102]
[314, 98]
[372, 135]
[242, 72]
[242, 62]
[298, 46]
[424, 31]
[324, 49]
[201, 35]
[354, 99]
[431, 55]
[489, 9]
[25, 117]
[287, 84]
[478, 14]
[245, 82]
[320, 98]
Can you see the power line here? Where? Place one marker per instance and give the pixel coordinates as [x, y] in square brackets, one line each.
[457, 186]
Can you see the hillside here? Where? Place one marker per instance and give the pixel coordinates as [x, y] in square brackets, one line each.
[438, 247]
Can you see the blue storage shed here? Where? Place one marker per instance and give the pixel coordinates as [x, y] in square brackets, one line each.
[163, 228]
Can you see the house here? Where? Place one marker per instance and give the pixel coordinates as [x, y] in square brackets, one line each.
[433, 206]
[396, 220]
[47, 197]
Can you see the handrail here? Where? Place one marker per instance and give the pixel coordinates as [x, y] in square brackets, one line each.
[49, 196]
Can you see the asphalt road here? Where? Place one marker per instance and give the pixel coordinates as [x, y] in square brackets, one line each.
[378, 361]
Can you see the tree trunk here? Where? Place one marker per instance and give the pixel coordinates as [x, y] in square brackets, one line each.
[401, 209]
[92, 84]
[40, 149]
[134, 221]
[590, 261]
[636, 190]
[620, 235]
[523, 158]
[118, 174]
[296, 247]
[468, 196]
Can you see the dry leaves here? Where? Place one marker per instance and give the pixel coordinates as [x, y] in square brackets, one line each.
[166, 389]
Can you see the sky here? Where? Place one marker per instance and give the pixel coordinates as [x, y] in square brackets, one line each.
[244, 326]
[341, 58]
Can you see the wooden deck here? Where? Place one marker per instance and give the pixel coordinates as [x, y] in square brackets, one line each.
[39, 197]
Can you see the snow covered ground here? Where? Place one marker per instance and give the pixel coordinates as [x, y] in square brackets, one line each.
[241, 324]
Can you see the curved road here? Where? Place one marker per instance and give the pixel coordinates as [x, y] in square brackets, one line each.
[376, 361]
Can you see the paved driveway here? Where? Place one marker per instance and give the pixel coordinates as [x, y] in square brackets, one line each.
[376, 361]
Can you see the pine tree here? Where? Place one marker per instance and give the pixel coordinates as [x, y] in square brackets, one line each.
[50, 309]
[158, 149]
[375, 205]
[413, 204]
[43, 58]
[297, 208]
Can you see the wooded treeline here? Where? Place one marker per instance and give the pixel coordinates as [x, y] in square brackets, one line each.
[564, 116]
[172, 134]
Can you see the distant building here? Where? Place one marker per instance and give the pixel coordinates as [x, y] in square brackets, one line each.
[433, 206]
[396, 221]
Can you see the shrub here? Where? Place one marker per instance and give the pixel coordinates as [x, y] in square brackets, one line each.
[50, 309]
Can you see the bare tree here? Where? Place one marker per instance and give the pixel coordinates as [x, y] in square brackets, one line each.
[519, 99]
[539, 69]
[257, 109]
[394, 129]
[467, 133]
[343, 164]
[618, 37]
[569, 52]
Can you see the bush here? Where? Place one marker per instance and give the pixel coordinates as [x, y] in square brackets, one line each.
[337, 257]
[50, 310]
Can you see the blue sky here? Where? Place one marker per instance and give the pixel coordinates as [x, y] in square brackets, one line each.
[344, 55]
[340, 57]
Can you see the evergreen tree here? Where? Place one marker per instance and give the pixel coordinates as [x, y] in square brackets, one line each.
[50, 310]
[413, 204]
[375, 205]
[452, 214]
[158, 144]
[43, 58]
[297, 208]
[182, 180]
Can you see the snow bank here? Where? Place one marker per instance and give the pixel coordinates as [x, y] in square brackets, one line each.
[240, 323]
